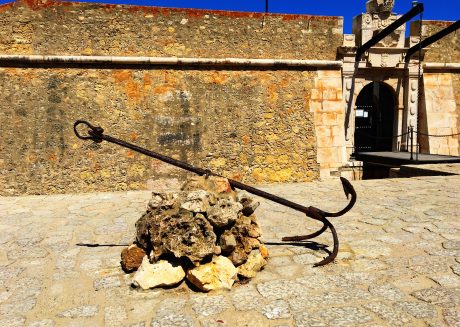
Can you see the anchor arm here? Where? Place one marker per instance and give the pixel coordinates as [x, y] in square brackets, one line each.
[321, 215]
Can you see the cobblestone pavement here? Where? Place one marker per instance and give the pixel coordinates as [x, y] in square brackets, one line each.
[399, 262]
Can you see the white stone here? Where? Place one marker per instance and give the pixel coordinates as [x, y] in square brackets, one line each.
[254, 264]
[224, 213]
[162, 200]
[220, 273]
[197, 201]
[158, 274]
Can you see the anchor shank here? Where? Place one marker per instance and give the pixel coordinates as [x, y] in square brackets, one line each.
[309, 211]
[171, 161]
[200, 171]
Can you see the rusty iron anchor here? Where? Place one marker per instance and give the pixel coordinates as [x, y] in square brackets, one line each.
[97, 135]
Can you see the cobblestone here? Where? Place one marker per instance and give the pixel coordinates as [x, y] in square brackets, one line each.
[393, 315]
[209, 305]
[173, 320]
[276, 310]
[398, 263]
[418, 309]
[342, 316]
[86, 311]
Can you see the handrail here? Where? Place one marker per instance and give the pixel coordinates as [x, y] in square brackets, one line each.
[411, 132]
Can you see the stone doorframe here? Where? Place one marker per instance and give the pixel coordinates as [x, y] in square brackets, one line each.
[396, 83]
[401, 76]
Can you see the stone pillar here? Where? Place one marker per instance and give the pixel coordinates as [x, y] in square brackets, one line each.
[411, 97]
[349, 70]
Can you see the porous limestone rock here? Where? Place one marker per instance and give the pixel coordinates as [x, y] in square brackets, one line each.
[220, 273]
[206, 220]
[227, 242]
[178, 232]
[264, 251]
[162, 200]
[198, 201]
[246, 231]
[158, 274]
[131, 258]
[249, 204]
[224, 213]
[253, 265]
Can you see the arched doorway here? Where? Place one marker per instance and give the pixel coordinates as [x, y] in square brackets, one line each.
[374, 118]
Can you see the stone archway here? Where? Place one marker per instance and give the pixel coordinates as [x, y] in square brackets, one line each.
[374, 118]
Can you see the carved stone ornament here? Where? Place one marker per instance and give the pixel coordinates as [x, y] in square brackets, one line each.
[380, 6]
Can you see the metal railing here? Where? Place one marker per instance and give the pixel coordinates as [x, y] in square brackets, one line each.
[410, 146]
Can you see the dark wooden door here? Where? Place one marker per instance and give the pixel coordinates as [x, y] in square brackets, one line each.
[374, 116]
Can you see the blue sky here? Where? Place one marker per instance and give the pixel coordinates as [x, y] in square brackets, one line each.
[434, 9]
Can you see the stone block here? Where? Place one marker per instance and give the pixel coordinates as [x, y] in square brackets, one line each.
[445, 79]
[329, 73]
[329, 155]
[316, 94]
[326, 119]
[316, 106]
[449, 105]
[337, 131]
[338, 140]
[329, 94]
[445, 92]
[454, 151]
[329, 105]
[324, 173]
[443, 150]
[335, 165]
[430, 80]
[323, 131]
[334, 83]
[439, 120]
[324, 140]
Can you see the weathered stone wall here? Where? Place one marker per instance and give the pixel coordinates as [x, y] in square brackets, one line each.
[247, 125]
[456, 84]
[65, 28]
[446, 49]
[442, 100]
[253, 125]
[326, 105]
[440, 116]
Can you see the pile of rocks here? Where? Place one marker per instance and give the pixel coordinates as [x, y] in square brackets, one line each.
[207, 233]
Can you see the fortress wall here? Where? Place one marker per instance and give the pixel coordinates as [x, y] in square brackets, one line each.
[442, 100]
[250, 124]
